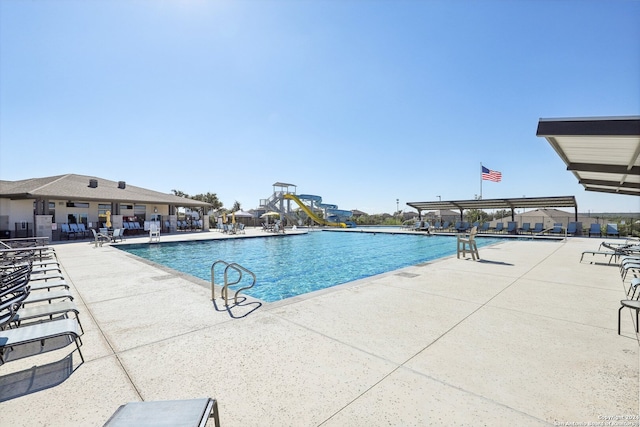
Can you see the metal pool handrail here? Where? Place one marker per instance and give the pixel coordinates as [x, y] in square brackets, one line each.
[225, 289]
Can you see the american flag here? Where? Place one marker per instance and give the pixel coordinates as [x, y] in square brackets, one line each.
[489, 175]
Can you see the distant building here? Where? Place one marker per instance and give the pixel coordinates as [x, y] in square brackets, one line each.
[548, 217]
[356, 213]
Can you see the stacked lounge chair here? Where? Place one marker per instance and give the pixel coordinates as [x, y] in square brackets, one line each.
[35, 302]
[627, 255]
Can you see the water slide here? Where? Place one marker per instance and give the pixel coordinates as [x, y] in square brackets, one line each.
[310, 213]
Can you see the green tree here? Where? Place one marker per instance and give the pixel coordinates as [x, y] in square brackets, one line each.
[236, 206]
[473, 215]
[180, 193]
[211, 198]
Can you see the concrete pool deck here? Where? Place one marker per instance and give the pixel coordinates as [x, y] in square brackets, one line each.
[527, 336]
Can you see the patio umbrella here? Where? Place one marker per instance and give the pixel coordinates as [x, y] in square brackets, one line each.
[243, 214]
[268, 214]
[233, 218]
[108, 224]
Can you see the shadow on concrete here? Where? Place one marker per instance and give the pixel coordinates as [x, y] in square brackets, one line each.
[243, 308]
[487, 261]
[35, 379]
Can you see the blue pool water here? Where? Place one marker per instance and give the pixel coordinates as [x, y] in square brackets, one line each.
[295, 265]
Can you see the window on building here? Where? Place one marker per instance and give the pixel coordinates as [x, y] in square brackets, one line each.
[52, 211]
[140, 212]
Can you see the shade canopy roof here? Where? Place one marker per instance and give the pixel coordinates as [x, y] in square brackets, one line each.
[603, 153]
[515, 203]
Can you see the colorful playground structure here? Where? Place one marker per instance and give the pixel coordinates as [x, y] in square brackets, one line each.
[305, 208]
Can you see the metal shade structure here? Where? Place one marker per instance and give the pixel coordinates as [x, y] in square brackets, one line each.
[603, 153]
[507, 203]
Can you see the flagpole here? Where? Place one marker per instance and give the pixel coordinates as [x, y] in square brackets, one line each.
[480, 180]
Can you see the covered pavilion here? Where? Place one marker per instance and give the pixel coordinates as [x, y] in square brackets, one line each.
[507, 203]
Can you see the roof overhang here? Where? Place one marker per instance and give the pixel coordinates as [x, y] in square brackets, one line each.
[74, 187]
[515, 203]
[603, 153]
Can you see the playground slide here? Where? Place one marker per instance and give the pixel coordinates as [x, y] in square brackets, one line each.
[312, 215]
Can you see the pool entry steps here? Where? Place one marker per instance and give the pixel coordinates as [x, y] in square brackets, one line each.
[236, 270]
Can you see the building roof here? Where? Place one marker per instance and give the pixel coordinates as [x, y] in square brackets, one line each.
[515, 203]
[603, 153]
[81, 188]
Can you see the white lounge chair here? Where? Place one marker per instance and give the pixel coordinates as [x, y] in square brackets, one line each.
[100, 238]
[10, 338]
[192, 412]
[118, 234]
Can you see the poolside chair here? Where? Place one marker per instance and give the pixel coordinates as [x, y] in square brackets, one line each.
[118, 234]
[572, 228]
[100, 238]
[635, 283]
[526, 228]
[445, 225]
[595, 229]
[512, 227]
[66, 231]
[629, 264]
[612, 230]
[47, 310]
[82, 229]
[470, 243]
[538, 228]
[74, 229]
[484, 228]
[557, 228]
[461, 226]
[11, 303]
[40, 332]
[48, 296]
[632, 304]
[499, 227]
[615, 251]
[192, 412]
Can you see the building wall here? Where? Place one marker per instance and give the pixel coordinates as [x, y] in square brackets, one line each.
[19, 211]
[16, 211]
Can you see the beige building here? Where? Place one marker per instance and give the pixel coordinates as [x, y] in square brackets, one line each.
[39, 206]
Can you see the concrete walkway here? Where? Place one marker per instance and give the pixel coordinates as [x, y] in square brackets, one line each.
[527, 336]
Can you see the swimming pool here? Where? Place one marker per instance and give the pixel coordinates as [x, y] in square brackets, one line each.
[288, 266]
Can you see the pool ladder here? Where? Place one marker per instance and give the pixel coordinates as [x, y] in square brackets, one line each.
[225, 288]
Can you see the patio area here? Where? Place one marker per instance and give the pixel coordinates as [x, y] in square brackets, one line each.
[526, 336]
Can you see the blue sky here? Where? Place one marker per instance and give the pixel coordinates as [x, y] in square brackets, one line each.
[360, 102]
